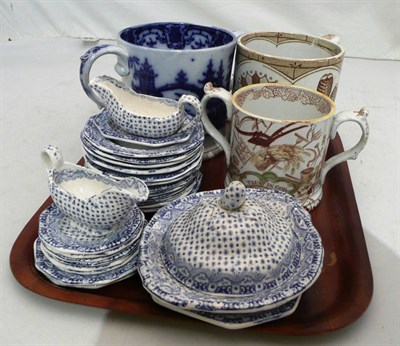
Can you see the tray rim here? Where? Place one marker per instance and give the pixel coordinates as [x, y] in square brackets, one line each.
[23, 268]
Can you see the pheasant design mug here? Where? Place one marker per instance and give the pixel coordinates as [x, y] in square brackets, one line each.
[279, 136]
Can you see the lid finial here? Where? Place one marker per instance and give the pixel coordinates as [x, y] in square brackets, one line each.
[234, 196]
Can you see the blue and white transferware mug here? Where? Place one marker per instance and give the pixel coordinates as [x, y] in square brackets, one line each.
[167, 59]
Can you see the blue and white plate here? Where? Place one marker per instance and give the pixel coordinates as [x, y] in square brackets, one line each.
[238, 321]
[62, 235]
[143, 164]
[171, 192]
[156, 203]
[109, 129]
[162, 285]
[138, 162]
[92, 281]
[151, 181]
[144, 171]
[94, 267]
[87, 261]
[94, 136]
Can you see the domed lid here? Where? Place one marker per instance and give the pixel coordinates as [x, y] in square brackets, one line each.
[230, 245]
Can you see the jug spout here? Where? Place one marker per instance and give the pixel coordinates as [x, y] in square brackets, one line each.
[134, 188]
[110, 90]
[127, 191]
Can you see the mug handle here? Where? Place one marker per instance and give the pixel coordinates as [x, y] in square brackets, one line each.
[333, 38]
[211, 92]
[90, 57]
[359, 117]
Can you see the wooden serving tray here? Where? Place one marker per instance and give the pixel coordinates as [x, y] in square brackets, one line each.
[341, 294]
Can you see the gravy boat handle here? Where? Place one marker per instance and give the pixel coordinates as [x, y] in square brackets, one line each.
[192, 101]
[52, 157]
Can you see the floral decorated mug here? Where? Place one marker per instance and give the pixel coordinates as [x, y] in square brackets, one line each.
[280, 135]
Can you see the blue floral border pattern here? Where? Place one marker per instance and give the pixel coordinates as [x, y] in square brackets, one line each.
[177, 36]
[159, 282]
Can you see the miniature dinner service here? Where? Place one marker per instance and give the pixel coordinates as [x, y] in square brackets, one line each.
[150, 138]
[167, 166]
[234, 257]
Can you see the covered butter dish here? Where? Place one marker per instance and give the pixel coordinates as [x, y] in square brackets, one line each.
[238, 252]
[230, 244]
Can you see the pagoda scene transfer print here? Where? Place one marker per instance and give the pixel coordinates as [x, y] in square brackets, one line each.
[145, 79]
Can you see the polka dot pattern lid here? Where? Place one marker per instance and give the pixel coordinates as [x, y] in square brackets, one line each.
[229, 244]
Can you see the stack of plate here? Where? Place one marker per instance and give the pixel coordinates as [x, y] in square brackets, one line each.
[234, 261]
[169, 166]
[77, 256]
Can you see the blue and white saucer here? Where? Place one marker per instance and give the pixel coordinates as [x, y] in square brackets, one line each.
[143, 171]
[169, 192]
[237, 321]
[87, 261]
[150, 180]
[94, 136]
[63, 235]
[151, 206]
[296, 276]
[88, 280]
[138, 162]
[93, 267]
[112, 131]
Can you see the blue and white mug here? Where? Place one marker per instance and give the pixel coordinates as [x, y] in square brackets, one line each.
[167, 59]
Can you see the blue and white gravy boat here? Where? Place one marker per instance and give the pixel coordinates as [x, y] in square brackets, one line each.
[140, 114]
[89, 198]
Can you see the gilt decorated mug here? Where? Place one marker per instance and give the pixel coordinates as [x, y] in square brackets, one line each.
[298, 59]
[167, 59]
[279, 136]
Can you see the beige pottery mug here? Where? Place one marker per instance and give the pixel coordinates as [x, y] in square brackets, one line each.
[298, 59]
[279, 136]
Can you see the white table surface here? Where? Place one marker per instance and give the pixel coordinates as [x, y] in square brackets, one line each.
[42, 103]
